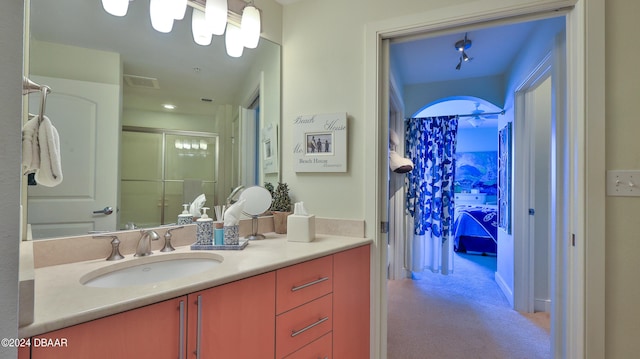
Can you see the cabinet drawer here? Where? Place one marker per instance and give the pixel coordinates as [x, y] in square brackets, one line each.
[302, 325]
[304, 282]
[318, 349]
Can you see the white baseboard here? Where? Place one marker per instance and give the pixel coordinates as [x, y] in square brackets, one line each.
[542, 305]
[504, 288]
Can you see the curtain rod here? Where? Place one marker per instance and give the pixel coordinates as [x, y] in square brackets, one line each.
[470, 114]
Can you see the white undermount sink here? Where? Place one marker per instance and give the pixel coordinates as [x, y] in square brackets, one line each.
[152, 269]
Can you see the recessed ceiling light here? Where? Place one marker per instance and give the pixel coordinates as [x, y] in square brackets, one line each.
[169, 106]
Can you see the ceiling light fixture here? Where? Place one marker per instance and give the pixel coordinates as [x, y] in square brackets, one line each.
[169, 106]
[462, 46]
[475, 121]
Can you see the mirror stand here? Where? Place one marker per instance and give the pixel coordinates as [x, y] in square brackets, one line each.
[254, 230]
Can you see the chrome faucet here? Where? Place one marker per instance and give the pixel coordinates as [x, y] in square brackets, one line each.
[144, 243]
[230, 199]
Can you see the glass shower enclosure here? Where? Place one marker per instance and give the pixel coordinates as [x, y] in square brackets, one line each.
[163, 169]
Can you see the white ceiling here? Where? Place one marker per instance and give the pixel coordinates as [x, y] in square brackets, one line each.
[434, 59]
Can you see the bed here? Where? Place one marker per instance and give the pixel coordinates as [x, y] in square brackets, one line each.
[475, 229]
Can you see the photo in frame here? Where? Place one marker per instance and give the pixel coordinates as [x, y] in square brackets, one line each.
[269, 150]
[504, 178]
[320, 143]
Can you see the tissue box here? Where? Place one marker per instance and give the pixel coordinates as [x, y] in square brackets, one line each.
[301, 228]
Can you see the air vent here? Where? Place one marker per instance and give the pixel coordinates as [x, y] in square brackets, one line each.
[141, 81]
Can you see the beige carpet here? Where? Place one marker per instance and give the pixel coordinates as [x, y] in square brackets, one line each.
[463, 315]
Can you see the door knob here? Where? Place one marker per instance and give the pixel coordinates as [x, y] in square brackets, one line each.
[106, 211]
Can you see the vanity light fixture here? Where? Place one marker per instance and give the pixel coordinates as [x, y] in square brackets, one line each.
[179, 9]
[209, 17]
[116, 7]
[215, 13]
[233, 41]
[201, 33]
[161, 15]
[250, 26]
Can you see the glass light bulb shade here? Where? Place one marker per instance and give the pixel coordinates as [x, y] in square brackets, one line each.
[199, 29]
[250, 26]
[116, 7]
[203, 145]
[233, 41]
[179, 9]
[161, 15]
[178, 144]
[215, 12]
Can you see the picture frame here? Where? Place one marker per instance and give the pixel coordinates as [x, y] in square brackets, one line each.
[269, 148]
[504, 178]
[320, 143]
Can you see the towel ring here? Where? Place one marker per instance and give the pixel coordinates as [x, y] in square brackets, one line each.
[45, 90]
[29, 86]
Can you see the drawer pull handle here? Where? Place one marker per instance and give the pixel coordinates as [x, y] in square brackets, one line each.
[298, 332]
[295, 289]
[181, 337]
[199, 328]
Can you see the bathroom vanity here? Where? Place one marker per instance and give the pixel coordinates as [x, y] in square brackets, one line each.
[275, 299]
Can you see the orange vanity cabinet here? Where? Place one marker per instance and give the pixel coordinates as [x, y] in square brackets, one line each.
[322, 307]
[235, 320]
[315, 309]
[351, 312]
[154, 331]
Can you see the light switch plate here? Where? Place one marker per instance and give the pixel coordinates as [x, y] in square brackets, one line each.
[623, 183]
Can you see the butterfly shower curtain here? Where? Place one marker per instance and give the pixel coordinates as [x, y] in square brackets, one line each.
[430, 144]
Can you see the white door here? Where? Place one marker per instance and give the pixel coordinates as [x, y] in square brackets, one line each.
[87, 117]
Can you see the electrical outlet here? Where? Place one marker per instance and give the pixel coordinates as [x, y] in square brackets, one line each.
[623, 183]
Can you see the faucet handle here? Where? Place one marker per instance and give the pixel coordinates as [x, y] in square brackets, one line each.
[115, 248]
[167, 240]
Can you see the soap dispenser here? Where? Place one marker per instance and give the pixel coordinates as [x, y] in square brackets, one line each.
[204, 231]
[185, 217]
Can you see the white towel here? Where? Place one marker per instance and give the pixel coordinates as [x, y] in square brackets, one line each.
[50, 172]
[30, 147]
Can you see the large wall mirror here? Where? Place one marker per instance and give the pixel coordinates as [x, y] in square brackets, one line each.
[121, 149]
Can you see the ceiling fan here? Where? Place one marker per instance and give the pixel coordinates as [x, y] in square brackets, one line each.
[478, 116]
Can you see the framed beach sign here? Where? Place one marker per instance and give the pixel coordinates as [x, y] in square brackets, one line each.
[269, 148]
[504, 178]
[320, 143]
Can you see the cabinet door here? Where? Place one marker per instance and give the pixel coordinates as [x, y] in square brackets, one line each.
[351, 303]
[235, 320]
[154, 331]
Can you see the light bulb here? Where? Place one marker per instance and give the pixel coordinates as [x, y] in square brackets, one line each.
[201, 33]
[161, 15]
[116, 7]
[250, 26]
[233, 41]
[215, 12]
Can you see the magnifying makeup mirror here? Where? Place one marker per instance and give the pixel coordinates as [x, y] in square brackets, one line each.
[257, 201]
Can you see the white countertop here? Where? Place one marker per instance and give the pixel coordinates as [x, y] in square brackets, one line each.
[61, 300]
